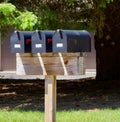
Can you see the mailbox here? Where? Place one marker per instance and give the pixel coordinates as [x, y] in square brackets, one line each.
[21, 42]
[49, 40]
[71, 41]
[42, 41]
[38, 42]
[17, 45]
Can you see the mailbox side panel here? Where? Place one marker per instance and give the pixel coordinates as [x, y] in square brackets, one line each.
[38, 42]
[79, 42]
[59, 42]
[17, 43]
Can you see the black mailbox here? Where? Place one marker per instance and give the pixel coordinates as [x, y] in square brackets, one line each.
[38, 42]
[17, 45]
[21, 42]
[71, 41]
[42, 41]
[48, 39]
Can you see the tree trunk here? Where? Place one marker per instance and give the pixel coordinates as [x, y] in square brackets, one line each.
[108, 47]
[108, 63]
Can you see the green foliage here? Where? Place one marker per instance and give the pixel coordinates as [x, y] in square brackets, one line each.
[7, 15]
[71, 2]
[48, 18]
[25, 21]
[11, 16]
[103, 3]
[108, 1]
[45, 17]
[98, 23]
[67, 14]
[7, 11]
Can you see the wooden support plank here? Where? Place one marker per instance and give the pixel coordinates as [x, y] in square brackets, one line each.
[81, 67]
[42, 64]
[63, 64]
[49, 64]
[50, 98]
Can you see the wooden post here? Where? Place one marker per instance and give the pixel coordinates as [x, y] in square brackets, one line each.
[81, 64]
[50, 98]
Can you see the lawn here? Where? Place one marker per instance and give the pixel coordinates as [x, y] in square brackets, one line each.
[89, 101]
[104, 115]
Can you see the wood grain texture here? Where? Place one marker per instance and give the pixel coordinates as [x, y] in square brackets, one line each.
[50, 64]
[50, 98]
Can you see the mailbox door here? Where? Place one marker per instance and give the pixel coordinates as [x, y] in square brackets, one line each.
[17, 43]
[38, 42]
[59, 41]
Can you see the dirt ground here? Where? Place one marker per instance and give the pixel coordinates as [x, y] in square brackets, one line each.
[86, 94]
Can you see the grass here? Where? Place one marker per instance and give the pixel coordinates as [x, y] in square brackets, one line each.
[21, 116]
[103, 115]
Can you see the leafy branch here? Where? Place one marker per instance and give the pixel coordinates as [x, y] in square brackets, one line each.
[11, 16]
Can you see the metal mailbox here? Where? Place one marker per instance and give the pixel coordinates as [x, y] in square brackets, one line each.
[42, 41]
[21, 42]
[49, 40]
[71, 41]
[38, 42]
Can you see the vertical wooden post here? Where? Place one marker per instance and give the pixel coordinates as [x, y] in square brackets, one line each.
[50, 98]
[81, 67]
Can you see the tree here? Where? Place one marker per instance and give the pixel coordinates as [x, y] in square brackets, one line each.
[55, 14]
[100, 16]
[103, 17]
[6, 16]
[107, 46]
[11, 16]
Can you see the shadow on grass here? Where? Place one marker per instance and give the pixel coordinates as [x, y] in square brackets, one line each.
[83, 94]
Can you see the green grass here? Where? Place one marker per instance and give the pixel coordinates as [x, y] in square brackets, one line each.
[104, 115]
[21, 116]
